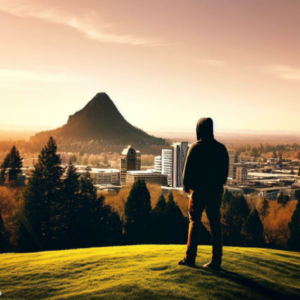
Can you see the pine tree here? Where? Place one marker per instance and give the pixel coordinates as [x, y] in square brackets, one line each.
[254, 230]
[41, 201]
[137, 214]
[264, 209]
[106, 224]
[177, 224]
[159, 220]
[294, 227]
[4, 167]
[70, 208]
[88, 203]
[234, 217]
[15, 164]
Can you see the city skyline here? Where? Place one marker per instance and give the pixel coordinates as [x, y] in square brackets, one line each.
[228, 60]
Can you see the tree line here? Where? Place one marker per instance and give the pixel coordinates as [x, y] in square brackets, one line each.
[277, 150]
[61, 210]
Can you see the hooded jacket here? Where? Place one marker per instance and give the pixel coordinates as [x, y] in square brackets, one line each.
[207, 162]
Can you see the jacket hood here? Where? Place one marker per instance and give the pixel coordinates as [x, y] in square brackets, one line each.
[205, 129]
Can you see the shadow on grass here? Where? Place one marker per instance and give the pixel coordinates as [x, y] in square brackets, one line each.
[265, 291]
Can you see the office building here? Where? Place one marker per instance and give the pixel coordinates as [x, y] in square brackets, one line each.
[103, 176]
[167, 164]
[130, 161]
[157, 163]
[149, 176]
[241, 174]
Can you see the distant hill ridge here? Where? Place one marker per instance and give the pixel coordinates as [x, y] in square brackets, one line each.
[100, 120]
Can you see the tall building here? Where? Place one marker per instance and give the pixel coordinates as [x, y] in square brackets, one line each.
[180, 150]
[241, 174]
[167, 164]
[130, 161]
[231, 154]
[157, 163]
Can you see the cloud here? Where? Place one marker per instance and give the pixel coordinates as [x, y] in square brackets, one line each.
[24, 80]
[89, 24]
[211, 62]
[284, 72]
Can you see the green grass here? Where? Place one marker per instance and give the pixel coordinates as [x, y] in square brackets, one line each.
[149, 272]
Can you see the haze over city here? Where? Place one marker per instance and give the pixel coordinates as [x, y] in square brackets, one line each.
[173, 61]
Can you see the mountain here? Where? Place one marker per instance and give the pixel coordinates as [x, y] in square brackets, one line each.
[100, 120]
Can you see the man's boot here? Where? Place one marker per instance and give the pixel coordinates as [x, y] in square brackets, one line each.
[188, 261]
[214, 264]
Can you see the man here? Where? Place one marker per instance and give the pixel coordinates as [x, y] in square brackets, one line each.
[205, 173]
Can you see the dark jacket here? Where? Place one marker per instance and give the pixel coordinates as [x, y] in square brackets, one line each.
[207, 162]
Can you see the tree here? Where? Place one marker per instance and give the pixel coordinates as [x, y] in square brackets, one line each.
[254, 230]
[254, 152]
[283, 200]
[137, 213]
[159, 220]
[227, 196]
[280, 156]
[264, 208]
[41, 201]
[98, 224]
[234, 217]
[11, 166]
[294, 227]
[177, 224]
[15, 164]
[70, 208]
[73, 159]
[4, 167]
[88, 203]
[274, 154]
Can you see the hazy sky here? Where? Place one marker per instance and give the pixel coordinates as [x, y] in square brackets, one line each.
[164, 63]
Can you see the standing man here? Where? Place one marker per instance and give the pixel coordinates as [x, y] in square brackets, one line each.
[205, 173]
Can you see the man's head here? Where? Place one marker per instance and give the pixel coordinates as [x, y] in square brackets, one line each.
[205, 129]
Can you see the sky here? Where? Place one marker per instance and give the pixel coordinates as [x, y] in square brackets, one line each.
[164, 63]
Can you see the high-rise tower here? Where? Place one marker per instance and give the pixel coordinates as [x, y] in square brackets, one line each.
[130, 161]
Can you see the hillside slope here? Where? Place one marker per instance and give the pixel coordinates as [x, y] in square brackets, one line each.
[99, 120]
[149, 272]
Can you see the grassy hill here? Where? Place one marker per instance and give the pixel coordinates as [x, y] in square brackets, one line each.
[149, 272]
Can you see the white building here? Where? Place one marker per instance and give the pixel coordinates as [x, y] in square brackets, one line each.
[149, 176]
[157, 164]
[103, 176]
[167, 164]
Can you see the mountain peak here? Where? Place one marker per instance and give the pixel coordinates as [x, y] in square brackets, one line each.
[100, 98]
[100, 119]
